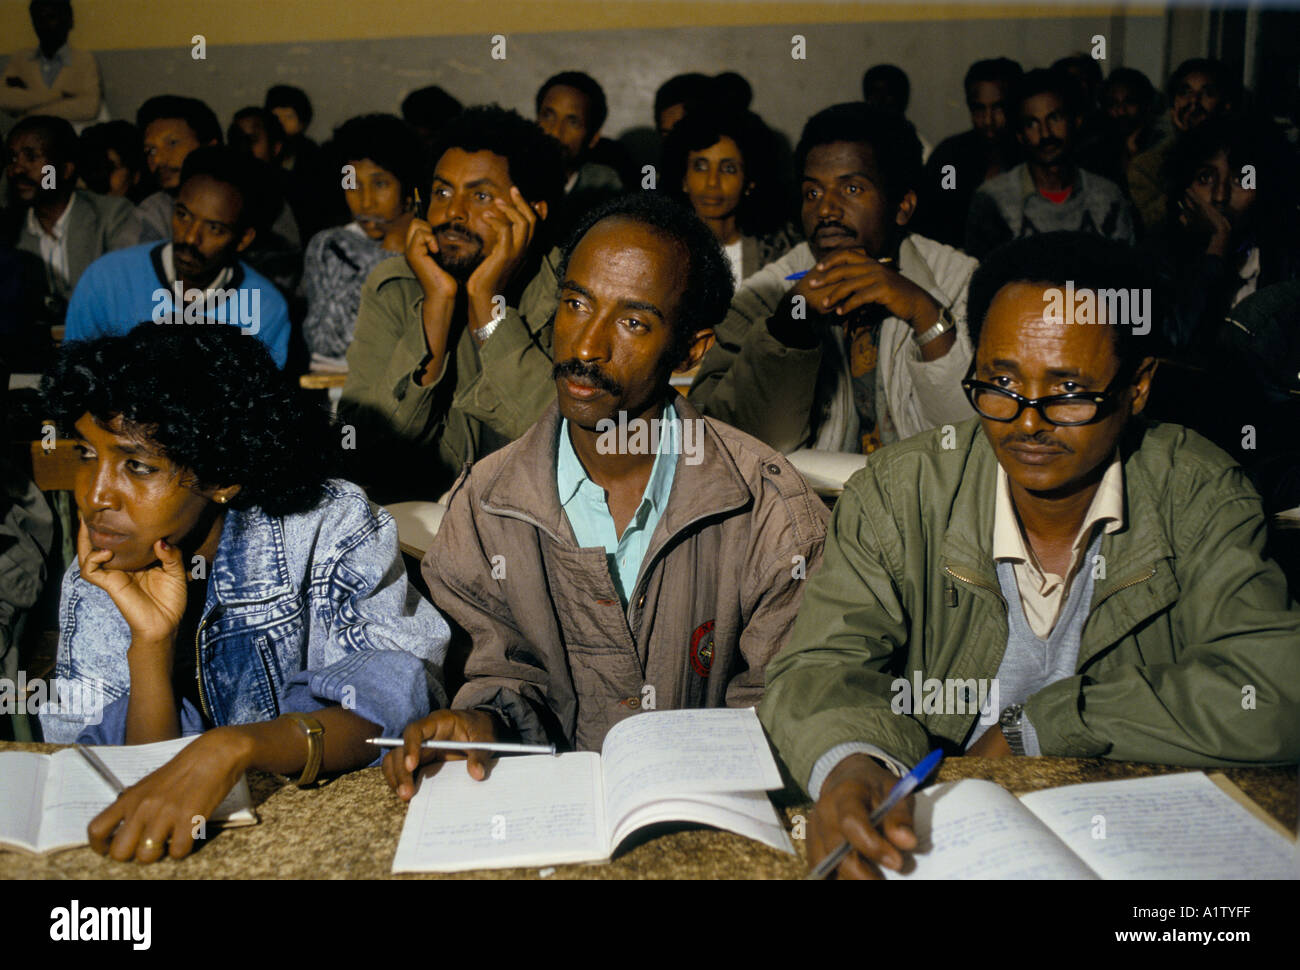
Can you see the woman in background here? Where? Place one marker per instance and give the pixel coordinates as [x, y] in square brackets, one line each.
[723, 164]
[387, 169]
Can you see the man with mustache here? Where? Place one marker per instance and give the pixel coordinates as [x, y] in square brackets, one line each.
[598, 579]
[450, 358]
[1106, 573]
[962, 163]
[1048, 192]
[855, 338]
[171, 127]
[1200, 88]
[211, 226]
[63, 227]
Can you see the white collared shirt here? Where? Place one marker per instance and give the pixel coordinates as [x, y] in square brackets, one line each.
[54, 243]
[1042, 593]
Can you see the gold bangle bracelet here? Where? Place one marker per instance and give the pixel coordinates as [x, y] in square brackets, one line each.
[315, 732]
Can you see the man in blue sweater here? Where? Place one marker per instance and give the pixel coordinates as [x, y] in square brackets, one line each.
[197, 277]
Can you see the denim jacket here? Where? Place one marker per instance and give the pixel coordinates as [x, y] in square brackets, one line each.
[302, 612]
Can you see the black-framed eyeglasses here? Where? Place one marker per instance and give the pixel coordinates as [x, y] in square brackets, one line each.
[1066, 410]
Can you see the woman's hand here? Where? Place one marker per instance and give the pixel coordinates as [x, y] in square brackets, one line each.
[162, 812]
[152, 601]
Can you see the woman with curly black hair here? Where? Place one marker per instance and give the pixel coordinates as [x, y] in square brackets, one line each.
[723, 164]
[225, 584]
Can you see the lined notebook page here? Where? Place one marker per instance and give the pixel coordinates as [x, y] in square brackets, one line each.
[1167, 827]
[672, 753]
[974, 829]
[532, 810]
[22, 784]
[75, 793]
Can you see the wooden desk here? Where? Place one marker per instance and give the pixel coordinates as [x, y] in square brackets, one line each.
[417, 524]
[348, 828]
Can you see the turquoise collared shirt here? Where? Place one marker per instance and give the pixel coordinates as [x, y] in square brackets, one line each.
[584, 503]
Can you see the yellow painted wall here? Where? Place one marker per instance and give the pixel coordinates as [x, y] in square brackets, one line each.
[134, 24]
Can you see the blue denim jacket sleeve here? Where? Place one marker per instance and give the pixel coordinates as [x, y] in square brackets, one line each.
[383, 644]
[112, 729]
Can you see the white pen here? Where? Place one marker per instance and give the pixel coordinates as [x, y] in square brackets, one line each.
[500, 747]
[100, 768]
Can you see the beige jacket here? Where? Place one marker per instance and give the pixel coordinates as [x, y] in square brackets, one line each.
[554, 653]
[74, 96]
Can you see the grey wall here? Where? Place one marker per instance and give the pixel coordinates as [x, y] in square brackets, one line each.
[347, 78]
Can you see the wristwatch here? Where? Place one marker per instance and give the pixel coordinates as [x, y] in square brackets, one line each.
[942, 326]
[1012, 724]
[482, 333]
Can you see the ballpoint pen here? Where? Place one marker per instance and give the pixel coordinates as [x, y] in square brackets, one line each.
[499, 747]
[100, 768]
[901, 790]
[802, 273]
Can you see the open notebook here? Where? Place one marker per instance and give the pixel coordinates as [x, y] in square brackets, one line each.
[47, 800]
[707, 766]
[1182, 826]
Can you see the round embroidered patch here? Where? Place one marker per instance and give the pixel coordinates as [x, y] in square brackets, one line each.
[702, 648]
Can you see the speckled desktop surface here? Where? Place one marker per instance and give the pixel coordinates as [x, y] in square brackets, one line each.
[347, 828]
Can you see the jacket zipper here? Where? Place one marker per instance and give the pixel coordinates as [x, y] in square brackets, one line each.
[198, 670]
[975, 582]
[1125, 585]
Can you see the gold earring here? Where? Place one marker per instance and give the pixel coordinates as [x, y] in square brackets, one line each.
[221, 499]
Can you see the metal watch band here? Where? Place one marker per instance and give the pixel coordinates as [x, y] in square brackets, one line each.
[315, 732]
[485, 331]
[1012, 724]
[942, 326]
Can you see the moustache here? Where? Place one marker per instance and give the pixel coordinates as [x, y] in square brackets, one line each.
[587, 374]
[458, 228]
[189, 252]
[1040, 440]
[832, 224]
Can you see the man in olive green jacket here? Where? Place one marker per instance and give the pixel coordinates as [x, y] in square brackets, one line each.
[448, 361]
[1105, 578]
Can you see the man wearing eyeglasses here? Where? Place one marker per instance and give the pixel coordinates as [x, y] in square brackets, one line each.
[1104, 575]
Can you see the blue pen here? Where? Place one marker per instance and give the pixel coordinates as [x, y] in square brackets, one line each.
[802, 273]
[904, 787]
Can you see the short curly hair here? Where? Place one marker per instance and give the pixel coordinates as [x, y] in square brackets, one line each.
[534, 159]
[212, 399]
[585, 84]
[709, 286]
[762, 210]
[894, 144]
[201, 119]
[389, 142]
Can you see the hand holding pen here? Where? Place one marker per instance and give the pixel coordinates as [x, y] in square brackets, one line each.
[401, 764]
[863, 819]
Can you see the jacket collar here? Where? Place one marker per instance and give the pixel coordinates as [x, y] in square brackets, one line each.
[524, 486]
[251, 564]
